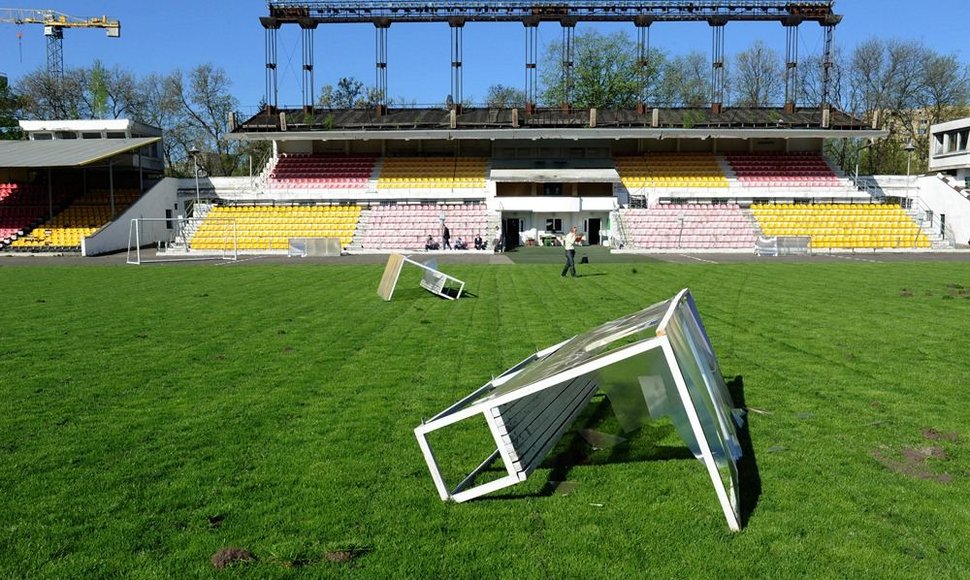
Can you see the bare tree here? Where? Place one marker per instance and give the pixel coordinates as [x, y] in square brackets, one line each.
[758, 80]
[205, 105]
[503, 97]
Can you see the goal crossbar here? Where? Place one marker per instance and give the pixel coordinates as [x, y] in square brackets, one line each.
[174, 239]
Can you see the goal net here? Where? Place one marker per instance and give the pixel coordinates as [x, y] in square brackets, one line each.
[180, 239]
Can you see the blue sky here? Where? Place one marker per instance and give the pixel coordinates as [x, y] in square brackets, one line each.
[162, 36]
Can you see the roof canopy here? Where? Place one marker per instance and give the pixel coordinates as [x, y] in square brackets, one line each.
[66, 152]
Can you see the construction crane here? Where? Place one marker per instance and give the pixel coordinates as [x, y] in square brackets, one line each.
[54, 24]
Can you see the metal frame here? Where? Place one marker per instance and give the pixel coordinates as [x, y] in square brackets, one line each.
[397, 261]
[456, 12]
[490, 410]
[133, 255]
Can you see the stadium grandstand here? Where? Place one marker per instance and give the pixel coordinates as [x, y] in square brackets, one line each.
[647, 179]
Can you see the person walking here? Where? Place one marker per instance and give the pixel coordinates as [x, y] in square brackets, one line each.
[446, 239]
[569, 244]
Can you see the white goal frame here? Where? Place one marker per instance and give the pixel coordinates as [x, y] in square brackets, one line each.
[174, 243]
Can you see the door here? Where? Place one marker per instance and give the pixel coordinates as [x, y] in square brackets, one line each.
[593, 231]
[511, 233]
[943, 225]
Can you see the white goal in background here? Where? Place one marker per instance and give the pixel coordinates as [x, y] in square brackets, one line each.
[180, 239]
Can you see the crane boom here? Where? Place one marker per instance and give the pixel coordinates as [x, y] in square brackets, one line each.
[54, 24]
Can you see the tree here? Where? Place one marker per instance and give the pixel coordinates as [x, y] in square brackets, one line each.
[503, 97]
[350, 93]
[204, 105]
[758, 80]
[685, 81]
[9, 112]
[604, 74]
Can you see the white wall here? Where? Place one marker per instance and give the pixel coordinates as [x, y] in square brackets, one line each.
[943, 199]
[114, 236]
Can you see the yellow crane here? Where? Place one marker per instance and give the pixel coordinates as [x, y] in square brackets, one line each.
[54, 24]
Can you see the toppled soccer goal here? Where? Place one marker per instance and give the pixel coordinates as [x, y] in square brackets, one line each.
[432, 280]
[654, 363]
[176, 239]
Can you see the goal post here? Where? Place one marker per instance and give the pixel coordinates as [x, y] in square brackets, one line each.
[182, 239]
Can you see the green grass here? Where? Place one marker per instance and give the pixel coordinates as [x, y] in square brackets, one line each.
[139, 402]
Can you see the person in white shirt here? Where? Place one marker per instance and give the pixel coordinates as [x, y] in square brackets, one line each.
[569, 244]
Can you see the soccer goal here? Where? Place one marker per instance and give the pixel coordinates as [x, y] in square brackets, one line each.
[182, 239]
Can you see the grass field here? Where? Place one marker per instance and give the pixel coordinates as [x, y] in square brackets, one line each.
[152, 416]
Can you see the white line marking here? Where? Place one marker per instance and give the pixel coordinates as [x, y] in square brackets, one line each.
[856, 259]
[698, 259]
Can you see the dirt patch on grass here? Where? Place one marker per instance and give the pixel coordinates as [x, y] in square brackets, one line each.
[905, 293]
[346, 555]
[934, 435]
[230, 557]
[916, 462]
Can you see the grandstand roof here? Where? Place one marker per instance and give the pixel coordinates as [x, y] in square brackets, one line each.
[66, 152]
[484, 123]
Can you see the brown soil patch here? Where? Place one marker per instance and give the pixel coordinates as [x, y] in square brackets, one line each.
[914, 462]
[906, 293]
[231, 556]
[934, 435]
[346, 555]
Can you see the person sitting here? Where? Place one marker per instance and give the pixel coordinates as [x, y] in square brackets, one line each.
[479, 244]
[460, 244]
[430, 244]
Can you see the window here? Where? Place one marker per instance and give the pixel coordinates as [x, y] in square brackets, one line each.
[116, 135]
[554, 225]
[551, 189]
[43, 137]
[90, 135]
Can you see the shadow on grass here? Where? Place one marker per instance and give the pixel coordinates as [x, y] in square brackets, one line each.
[573, 449]
[639, 446]
[749, 478]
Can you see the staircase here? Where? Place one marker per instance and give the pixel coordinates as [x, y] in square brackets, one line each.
[937, 241]
[493, 220]
[749, 215]
[357, 242]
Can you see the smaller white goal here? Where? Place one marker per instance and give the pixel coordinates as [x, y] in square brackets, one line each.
[182, 239]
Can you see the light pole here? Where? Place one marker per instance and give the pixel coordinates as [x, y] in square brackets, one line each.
[195, 163]
[909, 160]
[858, 157]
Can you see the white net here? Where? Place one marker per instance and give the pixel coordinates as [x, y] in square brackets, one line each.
[179, 239]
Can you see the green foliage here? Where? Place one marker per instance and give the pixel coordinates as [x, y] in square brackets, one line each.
[99, 90]
[255, 407]
[504, 97]
[9, 112]
[605, 73]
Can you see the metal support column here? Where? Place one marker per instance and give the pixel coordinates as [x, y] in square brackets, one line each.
[307, 26]
[568, 33]
[270, 26]
[381, 26]
[643, 61]
[717, 64]
[791, 62]
[829, 27]
[457, 26]
[531, 57]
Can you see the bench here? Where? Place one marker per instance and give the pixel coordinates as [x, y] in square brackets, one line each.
[657, 362]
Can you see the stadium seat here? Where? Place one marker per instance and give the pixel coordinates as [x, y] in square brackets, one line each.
[842, 226]
[257, 228]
